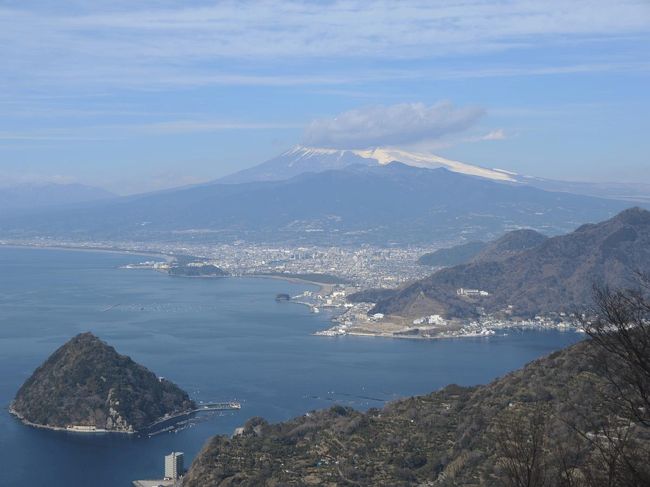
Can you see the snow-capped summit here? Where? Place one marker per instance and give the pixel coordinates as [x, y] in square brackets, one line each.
[301, 159]
[386, 156]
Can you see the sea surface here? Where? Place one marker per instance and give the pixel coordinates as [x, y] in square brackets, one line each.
[219, 339]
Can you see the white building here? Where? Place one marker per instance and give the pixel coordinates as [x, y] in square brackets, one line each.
[174, 465]
[471, 292]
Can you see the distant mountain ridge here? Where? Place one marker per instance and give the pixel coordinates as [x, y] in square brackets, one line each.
[555, 276]
[24, 197]
[391, 204]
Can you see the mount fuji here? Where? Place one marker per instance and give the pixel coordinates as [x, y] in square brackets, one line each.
[331, 197]
[301, 159]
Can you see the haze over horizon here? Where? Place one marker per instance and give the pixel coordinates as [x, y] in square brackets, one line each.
[136, 99]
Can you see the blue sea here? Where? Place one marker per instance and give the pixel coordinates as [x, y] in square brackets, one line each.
[219, 339]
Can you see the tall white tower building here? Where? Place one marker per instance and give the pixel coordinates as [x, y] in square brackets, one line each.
[174, 465]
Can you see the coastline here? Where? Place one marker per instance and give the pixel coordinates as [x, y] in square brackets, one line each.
[104, 250]
[322, 288]
[295, 280]
[401, 337]
[72, 429]
[83, 429]
[167, 257]
[442, 334]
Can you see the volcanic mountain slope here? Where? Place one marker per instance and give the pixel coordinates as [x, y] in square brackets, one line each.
[448, 438]
[554, 276]
[87, 383]
[359, 204]
[301, 159]
[296, 161]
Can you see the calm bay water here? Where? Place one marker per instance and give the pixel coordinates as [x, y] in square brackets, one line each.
[219, 339]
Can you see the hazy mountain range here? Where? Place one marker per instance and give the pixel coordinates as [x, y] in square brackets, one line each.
[22, 197]
[358, 204]
[556, 275]
[329, 197]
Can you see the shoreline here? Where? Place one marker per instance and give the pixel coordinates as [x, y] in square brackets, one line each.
[402, 337]
[72, 429]
[103, 250]
[442, 336]
[93, 430]
[321, 287]
[294, 280]
[168, 257]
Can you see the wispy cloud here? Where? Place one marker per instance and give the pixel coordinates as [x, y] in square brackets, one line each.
[498, 134]
[195, 126]
[126, 130]
[233, 42]
[38, 135]
[400, 124]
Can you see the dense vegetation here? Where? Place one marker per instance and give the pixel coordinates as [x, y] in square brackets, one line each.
[510, 244]
[554, 276]
[459, 254]
[577, 418]
[86, 382]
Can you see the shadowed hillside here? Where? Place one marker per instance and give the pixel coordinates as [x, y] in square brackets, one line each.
[555, 276]
[456, 436]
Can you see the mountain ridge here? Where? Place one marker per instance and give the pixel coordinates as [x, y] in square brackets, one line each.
[300, 159]
[555, 276]
[454, 436]
[23, 198]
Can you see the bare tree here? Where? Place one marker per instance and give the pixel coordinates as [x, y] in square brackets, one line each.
[620, 433]
[621, 335]
[521, 442]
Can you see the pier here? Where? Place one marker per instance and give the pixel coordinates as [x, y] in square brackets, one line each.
[218, 406]
[181, 420]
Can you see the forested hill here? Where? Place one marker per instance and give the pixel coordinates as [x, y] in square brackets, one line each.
[506, 246]
[555, 276]
[456, 436]
[87, 383]
[459, 254]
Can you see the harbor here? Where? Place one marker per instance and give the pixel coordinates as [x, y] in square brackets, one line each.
[178, 422]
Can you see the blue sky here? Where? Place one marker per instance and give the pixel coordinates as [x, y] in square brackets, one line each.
[138, 96]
